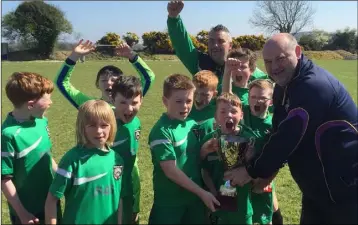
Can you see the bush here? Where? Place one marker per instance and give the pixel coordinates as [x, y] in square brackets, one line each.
[157, 42]
[251, 42]
[322, 55]
[109, 39]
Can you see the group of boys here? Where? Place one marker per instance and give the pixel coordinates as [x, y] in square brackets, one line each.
[187, 169]
[187, 172]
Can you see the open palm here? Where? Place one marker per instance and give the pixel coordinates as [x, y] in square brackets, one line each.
[84, 48]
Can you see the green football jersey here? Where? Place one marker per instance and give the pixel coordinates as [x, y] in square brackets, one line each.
[258, 74]
[26, 156]
[90, 180]
[174, 140]
[204, 128]
[242, 93]
[215, 168]
[205, 113]
[262, 127]
[126, 144]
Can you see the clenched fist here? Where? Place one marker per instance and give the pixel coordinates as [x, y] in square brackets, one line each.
[174, 8]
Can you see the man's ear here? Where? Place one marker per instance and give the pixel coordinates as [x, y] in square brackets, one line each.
[215, 93]
[298, 51]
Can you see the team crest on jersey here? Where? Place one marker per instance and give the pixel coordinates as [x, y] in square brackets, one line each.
[137, 134]
[117, 172]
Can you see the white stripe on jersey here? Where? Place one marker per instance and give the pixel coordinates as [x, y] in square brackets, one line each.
[178, 143]
[83, 180]
[7, 154]
[165, 141]
[119, 142]
[27, 150]
[64, 173]
[158, 142]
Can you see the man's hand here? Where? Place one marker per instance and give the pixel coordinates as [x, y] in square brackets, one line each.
[211, 145]
[174, 8]
[261, 185]
[238, 176]
[124, 50]
[82, 49]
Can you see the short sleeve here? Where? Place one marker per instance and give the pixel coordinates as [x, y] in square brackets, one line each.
[63, 177]
[7, 155]
[161, 146]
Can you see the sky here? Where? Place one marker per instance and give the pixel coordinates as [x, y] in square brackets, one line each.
[93, 19]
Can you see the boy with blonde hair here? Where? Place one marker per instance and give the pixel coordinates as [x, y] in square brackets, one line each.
[27, 164]
[177, 183]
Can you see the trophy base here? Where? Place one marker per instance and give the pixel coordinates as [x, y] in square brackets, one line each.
[227, 203]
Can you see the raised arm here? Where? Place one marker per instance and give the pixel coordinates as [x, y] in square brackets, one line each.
[181, 41]
[146, 75]
[63, 78]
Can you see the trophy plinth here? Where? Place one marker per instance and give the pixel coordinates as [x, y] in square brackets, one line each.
[232, 150]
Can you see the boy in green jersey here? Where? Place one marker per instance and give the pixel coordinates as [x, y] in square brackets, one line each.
[27, 164]
[177, 183]
[104, 82]
[127, 99]
[228, 116]
[239, 68]
[89, 175]
[206, 84]
[258, 118]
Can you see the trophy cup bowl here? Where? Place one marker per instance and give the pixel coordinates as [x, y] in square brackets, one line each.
[232, 150]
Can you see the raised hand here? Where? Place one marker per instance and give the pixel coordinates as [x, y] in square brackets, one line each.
[84, 48]
[232, 64]
[174, 8]
[124, 50]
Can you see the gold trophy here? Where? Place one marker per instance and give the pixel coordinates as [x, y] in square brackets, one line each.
[232, 150]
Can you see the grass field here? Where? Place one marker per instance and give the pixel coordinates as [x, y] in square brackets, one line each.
[62, 119]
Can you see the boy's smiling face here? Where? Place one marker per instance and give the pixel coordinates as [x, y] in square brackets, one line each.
[228, 116]
[179, 104]
[127, 108]
[203, 96]
[259, 101]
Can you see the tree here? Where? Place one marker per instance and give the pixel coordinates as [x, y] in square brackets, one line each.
[345, 40]
[36, 23]
[131, 38]
[282, 16]
[315, 40]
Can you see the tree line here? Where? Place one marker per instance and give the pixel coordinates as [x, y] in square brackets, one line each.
[38, 25]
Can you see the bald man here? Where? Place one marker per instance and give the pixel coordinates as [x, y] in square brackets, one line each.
[315, 132]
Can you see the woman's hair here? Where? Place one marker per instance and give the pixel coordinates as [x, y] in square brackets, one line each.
[90, 112]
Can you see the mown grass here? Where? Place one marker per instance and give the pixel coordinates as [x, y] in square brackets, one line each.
[62, 119]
